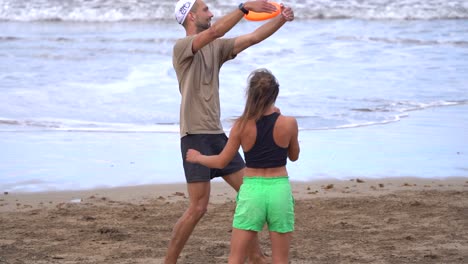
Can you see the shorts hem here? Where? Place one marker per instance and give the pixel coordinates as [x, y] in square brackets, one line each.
[282, 231]
[248, 229]
[231, 172]
[197, 180]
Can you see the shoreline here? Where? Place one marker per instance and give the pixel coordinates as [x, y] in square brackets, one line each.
[221, 192]
[426, 144]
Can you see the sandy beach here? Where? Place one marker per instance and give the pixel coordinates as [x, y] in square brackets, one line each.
[404, 220]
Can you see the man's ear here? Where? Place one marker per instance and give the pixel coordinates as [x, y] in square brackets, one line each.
[191, 16]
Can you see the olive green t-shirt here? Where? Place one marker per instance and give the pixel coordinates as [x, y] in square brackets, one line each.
[198, 78]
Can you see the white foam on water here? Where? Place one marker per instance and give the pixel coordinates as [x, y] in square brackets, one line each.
[147, 10]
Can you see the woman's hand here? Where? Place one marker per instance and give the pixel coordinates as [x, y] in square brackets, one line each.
[260, 6]
[192, 155]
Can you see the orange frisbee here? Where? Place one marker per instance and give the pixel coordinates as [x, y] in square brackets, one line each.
[255, 16]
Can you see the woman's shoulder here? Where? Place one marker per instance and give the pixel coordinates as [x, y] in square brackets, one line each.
[287, 120]
[287, 124]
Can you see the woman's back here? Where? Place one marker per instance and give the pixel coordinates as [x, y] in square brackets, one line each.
[266, 157]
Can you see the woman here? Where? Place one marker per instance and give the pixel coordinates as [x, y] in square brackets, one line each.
[267, 139]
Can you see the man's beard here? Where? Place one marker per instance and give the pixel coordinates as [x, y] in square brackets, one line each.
[202, 26]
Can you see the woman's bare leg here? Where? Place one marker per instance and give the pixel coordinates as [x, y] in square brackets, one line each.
[254, 252]
[280, 243]
[240, 242]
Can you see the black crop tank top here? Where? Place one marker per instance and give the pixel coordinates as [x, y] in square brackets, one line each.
[265, 153]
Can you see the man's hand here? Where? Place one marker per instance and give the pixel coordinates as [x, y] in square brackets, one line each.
[260, 6]
[287, 13]
[192, 155]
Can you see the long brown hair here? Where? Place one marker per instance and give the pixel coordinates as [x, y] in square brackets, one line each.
[262, 91]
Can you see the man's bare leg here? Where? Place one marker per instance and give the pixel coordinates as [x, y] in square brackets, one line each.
[199, 195]
[254, 254]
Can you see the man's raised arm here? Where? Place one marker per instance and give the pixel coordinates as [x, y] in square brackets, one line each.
[264, 31]
[227, 22]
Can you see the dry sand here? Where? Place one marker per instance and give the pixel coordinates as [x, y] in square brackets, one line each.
[403, 220]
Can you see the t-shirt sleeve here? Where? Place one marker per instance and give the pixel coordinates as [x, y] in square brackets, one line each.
[226, 47]
[182, 50]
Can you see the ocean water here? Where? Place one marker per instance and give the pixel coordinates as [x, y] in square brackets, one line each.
[90, 98]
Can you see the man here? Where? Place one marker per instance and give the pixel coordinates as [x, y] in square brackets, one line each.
[197, 60]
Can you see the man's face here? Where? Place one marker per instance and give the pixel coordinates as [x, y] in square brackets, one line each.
[202, 16]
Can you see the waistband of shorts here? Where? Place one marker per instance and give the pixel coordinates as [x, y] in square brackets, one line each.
[266, 180]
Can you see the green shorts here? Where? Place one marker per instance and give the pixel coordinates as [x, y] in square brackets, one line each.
[265, 200]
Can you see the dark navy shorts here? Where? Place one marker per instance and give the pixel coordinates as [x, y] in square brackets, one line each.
[207, 144]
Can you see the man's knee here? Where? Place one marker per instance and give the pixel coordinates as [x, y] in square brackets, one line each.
[197, 211]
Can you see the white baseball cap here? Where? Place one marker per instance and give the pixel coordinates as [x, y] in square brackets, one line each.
[182, 9]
